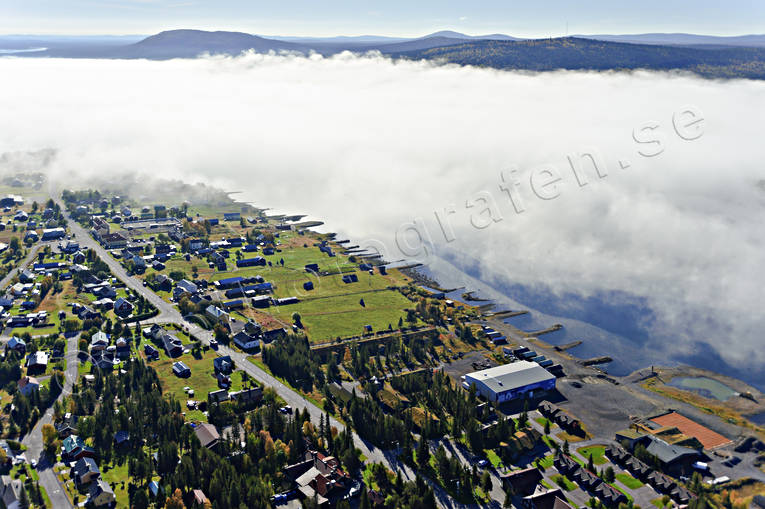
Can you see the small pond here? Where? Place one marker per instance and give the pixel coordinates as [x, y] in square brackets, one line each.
[707, 387]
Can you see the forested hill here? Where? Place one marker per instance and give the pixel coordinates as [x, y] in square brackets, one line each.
[574, 53]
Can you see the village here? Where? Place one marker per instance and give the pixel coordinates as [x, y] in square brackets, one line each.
[188, 354]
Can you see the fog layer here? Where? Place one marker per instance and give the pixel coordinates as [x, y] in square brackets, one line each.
[667, 231]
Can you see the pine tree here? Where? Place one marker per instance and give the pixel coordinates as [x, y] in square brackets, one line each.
[423, 453]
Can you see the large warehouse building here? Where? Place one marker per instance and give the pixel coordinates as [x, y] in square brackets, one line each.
[509, 381]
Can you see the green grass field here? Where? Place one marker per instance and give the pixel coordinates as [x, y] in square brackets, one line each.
[564, 482]
[330, 317]
[598, 453]
[117, 476]
[628, 481]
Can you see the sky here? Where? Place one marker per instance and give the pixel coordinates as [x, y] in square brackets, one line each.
[393, 17]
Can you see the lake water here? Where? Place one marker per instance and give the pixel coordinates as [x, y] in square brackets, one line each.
[757, 418]
[707, 387]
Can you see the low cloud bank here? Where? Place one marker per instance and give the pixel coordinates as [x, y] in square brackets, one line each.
[614, 187]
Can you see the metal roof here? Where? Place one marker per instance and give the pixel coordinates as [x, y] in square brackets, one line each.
[510, 376]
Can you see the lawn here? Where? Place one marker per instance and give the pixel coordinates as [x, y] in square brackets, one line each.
[342, 316]
[547, 461]
[117, 476]
[492, 456]
[598, 453]
[202, 379]
[629, 481]
[563, 482]
[544, 420]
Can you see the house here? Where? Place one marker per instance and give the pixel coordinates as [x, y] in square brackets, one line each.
[308, 285]
[70, 247]
[207, 434]
[104, 292]
[85, 471]
[17, 345]
[319, 476]
[662, 483]
[86, 313]
[610, 496]
[66, 427]
[27, 277]
[250, 248]
[217, 314]
[565, 464]
[11, 492]
[181, 370]
[151, 352]
[162, 282]
[617, 454]
[350, 278]
[123, 348]
[184, 286]
[53, 234]
[550, 499]
[11, 200]
[114, 241]
[522, 482]
[21, 216]
[251, 262]
[246, 341]
[31, 236]
[273, 334]
[98, 342]
[139, 264]
[223, 364]
[261, 301]
[639, 469]
[172, 345]
[101, 494]
[268, 251]
[231, 216]
[217, 396]
[121, 438]
[37, 362]
[233, 304]
[247, 396]
[674, 459]
[229, 282]
[630, 438]
[122, 307]
[104, 304]
[28, 384]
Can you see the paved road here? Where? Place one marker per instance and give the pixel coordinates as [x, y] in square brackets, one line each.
[23, 263]
[169, 314]
[34, 440]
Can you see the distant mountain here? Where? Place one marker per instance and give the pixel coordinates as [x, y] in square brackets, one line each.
[457, 35]
[709, 56]
[682, 39]
[586, 54]
[191, 43]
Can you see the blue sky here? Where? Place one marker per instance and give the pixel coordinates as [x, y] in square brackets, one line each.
[392, 17]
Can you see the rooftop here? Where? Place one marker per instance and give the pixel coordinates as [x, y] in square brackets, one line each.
[512, 375]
